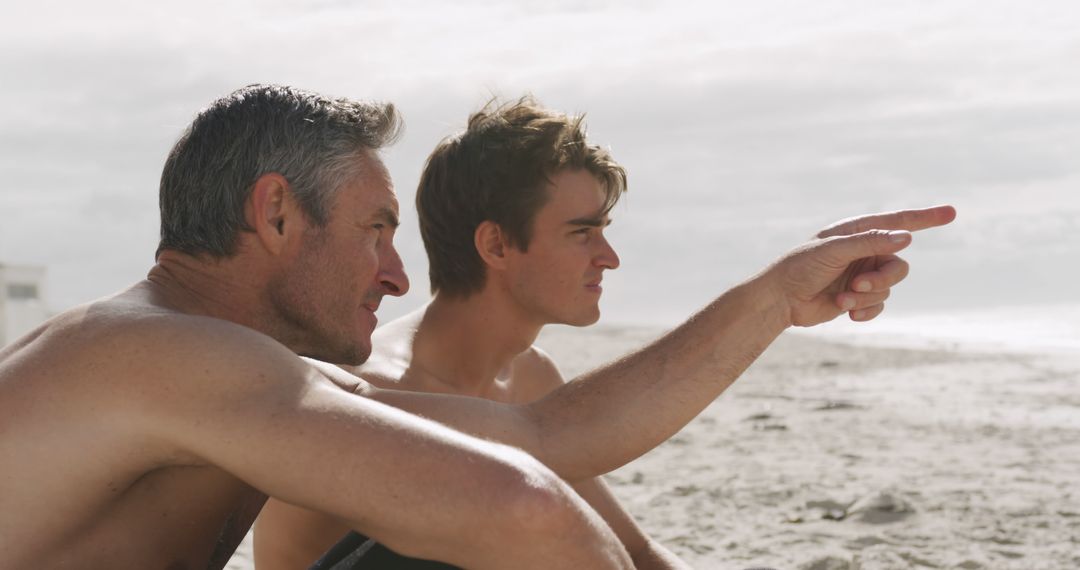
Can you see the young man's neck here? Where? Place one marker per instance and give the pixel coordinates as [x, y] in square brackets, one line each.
[472, 341]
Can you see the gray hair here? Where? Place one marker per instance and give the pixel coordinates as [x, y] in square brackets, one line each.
[311, 140]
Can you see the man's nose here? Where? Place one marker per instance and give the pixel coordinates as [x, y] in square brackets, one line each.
[392, 275]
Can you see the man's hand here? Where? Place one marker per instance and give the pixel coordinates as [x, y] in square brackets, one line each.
[851, 265]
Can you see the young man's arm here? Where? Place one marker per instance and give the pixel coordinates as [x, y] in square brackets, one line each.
[646, 552]
[237, 400]
[542, 376]
[610, 416]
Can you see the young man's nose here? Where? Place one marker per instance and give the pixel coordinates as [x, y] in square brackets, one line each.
[607, 258]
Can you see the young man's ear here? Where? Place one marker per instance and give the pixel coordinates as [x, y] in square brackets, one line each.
[491, 243]
[272, 213]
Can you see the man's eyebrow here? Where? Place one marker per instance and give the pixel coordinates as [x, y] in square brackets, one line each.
[388, 216]
[599, 221]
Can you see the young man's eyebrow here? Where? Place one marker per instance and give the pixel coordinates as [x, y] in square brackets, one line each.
[592, 221]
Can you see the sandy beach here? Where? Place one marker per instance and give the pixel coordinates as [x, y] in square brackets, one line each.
[827, 456]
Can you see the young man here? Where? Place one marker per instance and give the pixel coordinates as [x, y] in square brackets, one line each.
[512, 213]
[145, 430]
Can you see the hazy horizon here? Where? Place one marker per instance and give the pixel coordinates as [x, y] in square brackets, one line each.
[744, 128]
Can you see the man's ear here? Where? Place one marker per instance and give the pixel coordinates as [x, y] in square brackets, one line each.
[272, 213]
[491, 243]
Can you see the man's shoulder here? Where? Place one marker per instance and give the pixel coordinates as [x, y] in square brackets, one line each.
[157, 334]
[143, 369]
[117, 343]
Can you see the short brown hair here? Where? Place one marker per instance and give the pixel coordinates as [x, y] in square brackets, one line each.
[497, 170]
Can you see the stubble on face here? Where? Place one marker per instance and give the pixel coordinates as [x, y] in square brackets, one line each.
[308, 303]
[327, 293]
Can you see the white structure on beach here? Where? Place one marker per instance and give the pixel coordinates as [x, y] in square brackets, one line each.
[21, 305]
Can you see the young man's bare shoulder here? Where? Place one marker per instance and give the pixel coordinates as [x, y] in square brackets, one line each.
[535, 374]
[391, 352]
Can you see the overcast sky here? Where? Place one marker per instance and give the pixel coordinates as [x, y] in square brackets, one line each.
[744, 126]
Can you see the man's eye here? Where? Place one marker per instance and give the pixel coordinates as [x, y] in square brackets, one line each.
[378, 226]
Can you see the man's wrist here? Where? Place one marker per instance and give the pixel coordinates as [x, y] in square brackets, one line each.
[764, 294]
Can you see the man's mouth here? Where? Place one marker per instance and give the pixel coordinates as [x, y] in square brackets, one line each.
[373, 304]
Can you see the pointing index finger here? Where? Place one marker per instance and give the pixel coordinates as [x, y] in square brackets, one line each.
[841, 251]
[910, 220]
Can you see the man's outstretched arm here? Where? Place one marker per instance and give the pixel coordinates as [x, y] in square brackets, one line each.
[608, 417]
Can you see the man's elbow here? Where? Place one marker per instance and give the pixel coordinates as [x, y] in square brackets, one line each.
[542, 510]
[526, 499]
[525, 510]
[537, 501]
